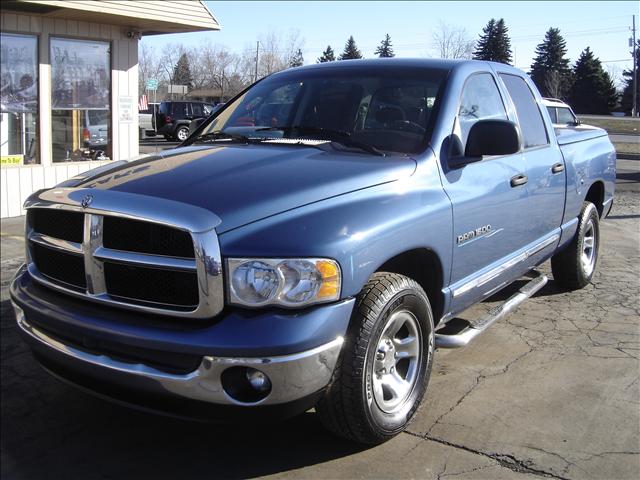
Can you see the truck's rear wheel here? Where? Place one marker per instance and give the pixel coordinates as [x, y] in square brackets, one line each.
[384, 367]
[573, 267]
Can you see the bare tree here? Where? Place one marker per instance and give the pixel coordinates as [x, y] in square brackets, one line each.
[148, 66]
[553, 83]
[452, 42]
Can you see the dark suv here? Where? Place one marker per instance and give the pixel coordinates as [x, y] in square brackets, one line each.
[173, 118]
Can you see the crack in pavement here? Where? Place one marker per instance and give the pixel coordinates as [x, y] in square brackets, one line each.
[503, 459]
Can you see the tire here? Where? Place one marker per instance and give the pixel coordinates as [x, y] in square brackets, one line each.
[182, 133]
[368, 407]
[574, 267]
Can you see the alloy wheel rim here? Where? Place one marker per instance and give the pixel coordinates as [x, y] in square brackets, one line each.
[397, 361]
[588, 256]
[182, 135]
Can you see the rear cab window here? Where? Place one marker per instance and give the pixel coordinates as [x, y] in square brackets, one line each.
[534, 132]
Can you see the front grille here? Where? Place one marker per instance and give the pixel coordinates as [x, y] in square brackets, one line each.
[148, 266]
[61, 224]
[145, 237]
[152, 284]
[60, 266]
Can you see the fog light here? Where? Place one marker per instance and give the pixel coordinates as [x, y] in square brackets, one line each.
[258, 380]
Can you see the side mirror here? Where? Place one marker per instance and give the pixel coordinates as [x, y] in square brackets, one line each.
[488, 137]
[492, 137]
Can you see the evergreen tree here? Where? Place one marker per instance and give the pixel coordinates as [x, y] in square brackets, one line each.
[627, 92]
[550, 70]
[494, 43]
[182, 72]
[385, 50]
[593, 91]
[350, 50]
[327, 55]
[297, 60]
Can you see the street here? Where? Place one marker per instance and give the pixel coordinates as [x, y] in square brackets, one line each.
[552, 391]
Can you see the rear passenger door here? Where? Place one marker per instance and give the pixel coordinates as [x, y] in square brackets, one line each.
[489, 212]
[545, 167]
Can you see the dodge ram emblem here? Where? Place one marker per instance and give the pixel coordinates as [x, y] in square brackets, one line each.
[86, 201]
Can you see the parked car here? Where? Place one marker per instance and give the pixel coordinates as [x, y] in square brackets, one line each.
[95, 134]
[560, 112]
[313, 244]
[145, 118]
[173, 118]
[193, 126]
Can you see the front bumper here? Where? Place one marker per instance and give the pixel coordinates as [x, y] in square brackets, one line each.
[294, 373]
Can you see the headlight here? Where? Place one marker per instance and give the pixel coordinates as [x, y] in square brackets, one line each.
[291, 282]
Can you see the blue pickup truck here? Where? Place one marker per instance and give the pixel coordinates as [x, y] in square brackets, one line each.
[312, 243]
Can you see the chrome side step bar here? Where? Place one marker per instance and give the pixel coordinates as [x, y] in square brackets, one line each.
[463, 338]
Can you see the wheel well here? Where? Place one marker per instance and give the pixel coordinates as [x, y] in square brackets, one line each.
[423, 266]
[595, 195]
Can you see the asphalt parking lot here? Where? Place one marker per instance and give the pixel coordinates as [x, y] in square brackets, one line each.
[552, 391]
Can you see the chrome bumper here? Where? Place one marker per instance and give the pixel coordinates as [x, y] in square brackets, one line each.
[292, 376]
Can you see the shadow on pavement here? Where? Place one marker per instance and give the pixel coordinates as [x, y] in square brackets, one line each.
[51, 430]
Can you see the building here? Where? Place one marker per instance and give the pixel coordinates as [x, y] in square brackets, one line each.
[69, 85]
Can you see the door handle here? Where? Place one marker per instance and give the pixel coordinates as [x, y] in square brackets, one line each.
[518, 180]
[557, 168]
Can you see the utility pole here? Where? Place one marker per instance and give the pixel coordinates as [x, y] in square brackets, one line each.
[258, 53]
[634, 110]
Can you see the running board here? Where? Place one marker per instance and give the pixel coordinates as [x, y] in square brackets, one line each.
[464, 337]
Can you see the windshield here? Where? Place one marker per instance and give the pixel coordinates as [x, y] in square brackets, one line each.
[388, 109]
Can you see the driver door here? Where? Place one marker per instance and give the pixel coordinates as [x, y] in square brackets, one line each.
[489, 208]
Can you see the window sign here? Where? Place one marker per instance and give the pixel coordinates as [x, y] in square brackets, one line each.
[18, 99]
[81, 74]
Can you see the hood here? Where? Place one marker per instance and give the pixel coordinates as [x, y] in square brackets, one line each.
[245, 183]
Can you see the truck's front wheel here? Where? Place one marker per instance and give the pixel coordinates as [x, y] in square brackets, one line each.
[385, 363]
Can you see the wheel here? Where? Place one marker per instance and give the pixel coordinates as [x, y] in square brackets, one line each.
[182, 133]
[385, 363]
[573, 267]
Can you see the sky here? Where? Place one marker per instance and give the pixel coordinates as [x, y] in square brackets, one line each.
[605, 26]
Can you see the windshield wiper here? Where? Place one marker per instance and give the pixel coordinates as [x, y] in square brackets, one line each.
[222, 135]
[339, 137]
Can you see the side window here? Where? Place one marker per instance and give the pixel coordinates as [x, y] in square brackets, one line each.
[196, 109]
[565, 116]
[534, 132]
[207, 109]
[480, 100]
[552, 114]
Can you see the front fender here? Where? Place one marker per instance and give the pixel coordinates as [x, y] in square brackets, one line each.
[361, 230]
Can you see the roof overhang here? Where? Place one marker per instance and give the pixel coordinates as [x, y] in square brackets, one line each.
[147, 17]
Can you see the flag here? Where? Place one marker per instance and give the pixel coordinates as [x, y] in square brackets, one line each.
[143, 104]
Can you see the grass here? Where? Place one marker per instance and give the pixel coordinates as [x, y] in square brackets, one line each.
[632, 148]
[614, 125]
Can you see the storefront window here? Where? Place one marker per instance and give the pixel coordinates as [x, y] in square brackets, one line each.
[18, 99]
[80, 100]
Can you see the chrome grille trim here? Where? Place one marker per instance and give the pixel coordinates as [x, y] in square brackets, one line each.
[198, 222]
[56, 243]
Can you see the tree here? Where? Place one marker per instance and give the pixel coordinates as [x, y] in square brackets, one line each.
[494, 43]
[297, 60]
[626, 101]
[550, 69]
[350, 50]
[182, 72]
[385, 49]
[327, 55]
[148, 66]
[593, 90]
[452, 42]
